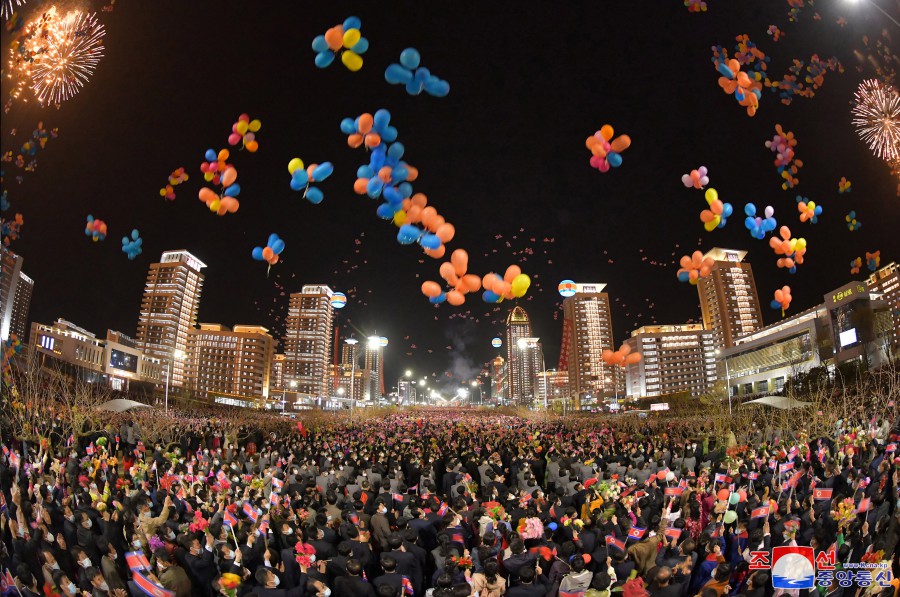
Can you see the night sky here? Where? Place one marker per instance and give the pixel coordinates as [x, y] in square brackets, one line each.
[502, 158]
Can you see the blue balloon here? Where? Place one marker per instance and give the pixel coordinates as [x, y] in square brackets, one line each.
[361, 46]
[324, 59]
[614, 159]
[437, 300]
[430, 241]
[727, 210]
[385, 211]
[405, 189]
[319, 44]
[373, 188]
[750, 210]
[437, 87]
[769, 224]
[392, 195]
[422, 75]
[272, 238]
[414, 87]
[233, 191]
[396, 75]
[348, 126]
[775, 305]
[381, 119]
[211, 155]
[314, 195]
[352, 23]
[684, 276]
[400, 173]
[297, 186]
[322, 171]
[408, 234]
[410, 58]
[300, 176]
[725, 71]
[277, 246]
[552, 526]
[135, 234]
[489, 296]
[396, 151]
[389, 134]
[258, 253]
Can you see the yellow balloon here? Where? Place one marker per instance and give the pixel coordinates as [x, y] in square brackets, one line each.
[214, 205]
[351, 37]
[242, 127]
[162, 192]
[520, 284]
[207, 176]
[711, 195]
[254, 125]
[352, 60]
[399, 218]
[712, 224]
[801, 243]
[295, 164]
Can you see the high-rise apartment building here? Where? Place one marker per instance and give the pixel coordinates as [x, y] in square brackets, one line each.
[676, 359]
[499, 380]
[277, 375]
[15, 296]
[728, 298]
[587, 322]
[552, 384]
[886, 282]
[169, 309]
[520, 360]
[373, 368]
[229, 366]
[307, 342]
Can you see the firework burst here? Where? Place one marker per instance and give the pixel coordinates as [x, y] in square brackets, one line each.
[876, 116]
[8, 7]
[74, 49]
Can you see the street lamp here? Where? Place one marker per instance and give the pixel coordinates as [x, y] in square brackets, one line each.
[727, 381]
[408, 374]
[881, 10]
[475, 384]
[293, 384]
[179, 355]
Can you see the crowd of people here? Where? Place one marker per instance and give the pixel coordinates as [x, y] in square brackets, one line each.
[449, 504]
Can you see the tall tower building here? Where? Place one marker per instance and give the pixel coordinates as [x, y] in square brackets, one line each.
[307, 342]
[728, 298]
[15, 295]
[169, 309]
[21, 305]
[587, 322]
[229, 366]
[886, 282]
[499, 380]
[520, 360]
[374, 368]
[676, 359]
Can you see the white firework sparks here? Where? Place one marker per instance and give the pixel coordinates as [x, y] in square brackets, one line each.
[876, 116]
[73, 51]
[8, 7]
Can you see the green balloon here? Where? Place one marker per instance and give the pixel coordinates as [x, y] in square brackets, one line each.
[730, 516]
[734, 498]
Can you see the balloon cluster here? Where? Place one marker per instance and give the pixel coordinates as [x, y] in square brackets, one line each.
[852, 223]
[244, 131]
[606, 151]
[873, 260]
[694, 267]
[175, 178]
[11, 228]
[783, 145]
[369, 130]
[620, 357]
[775, 32]
[133, 246]
[738, 83]
[809, 211]
[718, 213]
[782, 299]
[513, 284]
[222, 174]
[415, 78]
[757, 226]
[697, 178]
[695, 5]
[454, 274]
[269, 253]
[567, 288]
[302, 178]
[844, 185]
[12, 346]
[384, 177]
[437, 231]
[855, 266]
[792, 249]
[796, 83]
[344, 39]
[95, 228]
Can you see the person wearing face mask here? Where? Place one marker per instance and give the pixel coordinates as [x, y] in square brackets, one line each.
[269, 585]
[63, 585]
[168, 574]
[83, 561]
[27, 583]
[85, 535]
[149, 523]
[230, 561]
[100, 588]
[50, 565]
[199, 561]
[109, 565]
[381, 528]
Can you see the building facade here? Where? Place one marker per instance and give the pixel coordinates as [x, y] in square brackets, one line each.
[21, 306]
[277, 375]
[307, 341]
[169, 309]
[587, 323]
[728, 298]
[499, 374]
[520, 359]
[229, 366]
[886, 283]
[552, 385]
[373, 368]
[676, 359]
[15, 296]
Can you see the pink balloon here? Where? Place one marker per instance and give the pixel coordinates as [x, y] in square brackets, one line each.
[234, 139]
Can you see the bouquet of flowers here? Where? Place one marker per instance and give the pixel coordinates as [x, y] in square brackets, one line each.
[155, 543]
[530, 528]
[495, 511]
[846, 512]
[306, 554]
[462, 561]
[303, 514]
[200, 523]
[608, 490]
[573, 522]
[257, 484]
[230, 583]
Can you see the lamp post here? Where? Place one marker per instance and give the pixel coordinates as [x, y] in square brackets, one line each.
[407, 374]
[475, 384]
[352, 342]
[176, 354]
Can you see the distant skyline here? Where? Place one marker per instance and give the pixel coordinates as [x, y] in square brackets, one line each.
[502, 156]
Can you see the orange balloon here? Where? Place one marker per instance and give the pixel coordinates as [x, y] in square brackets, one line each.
[471, 282]
[625, 349]
[365, 123]
[620, 143]
[428, 215]
[502, 288]
[413, 173]
[489, 280]
[448, 273]
[460, 260]
[273, 259]
[414, 215]
[334, 37]
[431, 289]
[436, 223]
[633, 358]
[606, 132]
[385, 174]
[606, 355]
[455, 298]
[359, 187]
[252, 146]
[511, 272]
[436, 253]
[223, 155]
[445, 232]
[405, 205]
[208, 195]
[373, 140]
[420, 199]
[354, 140]
[229, 176]
[267, 253]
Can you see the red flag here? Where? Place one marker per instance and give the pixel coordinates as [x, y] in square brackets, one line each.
[822, 494]
[250, 511]
[136, 560]
[673, 533]
[636, 533]
[149, 587]
[673, 491]
[762, 512]
[864, 505]
[611, 540]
